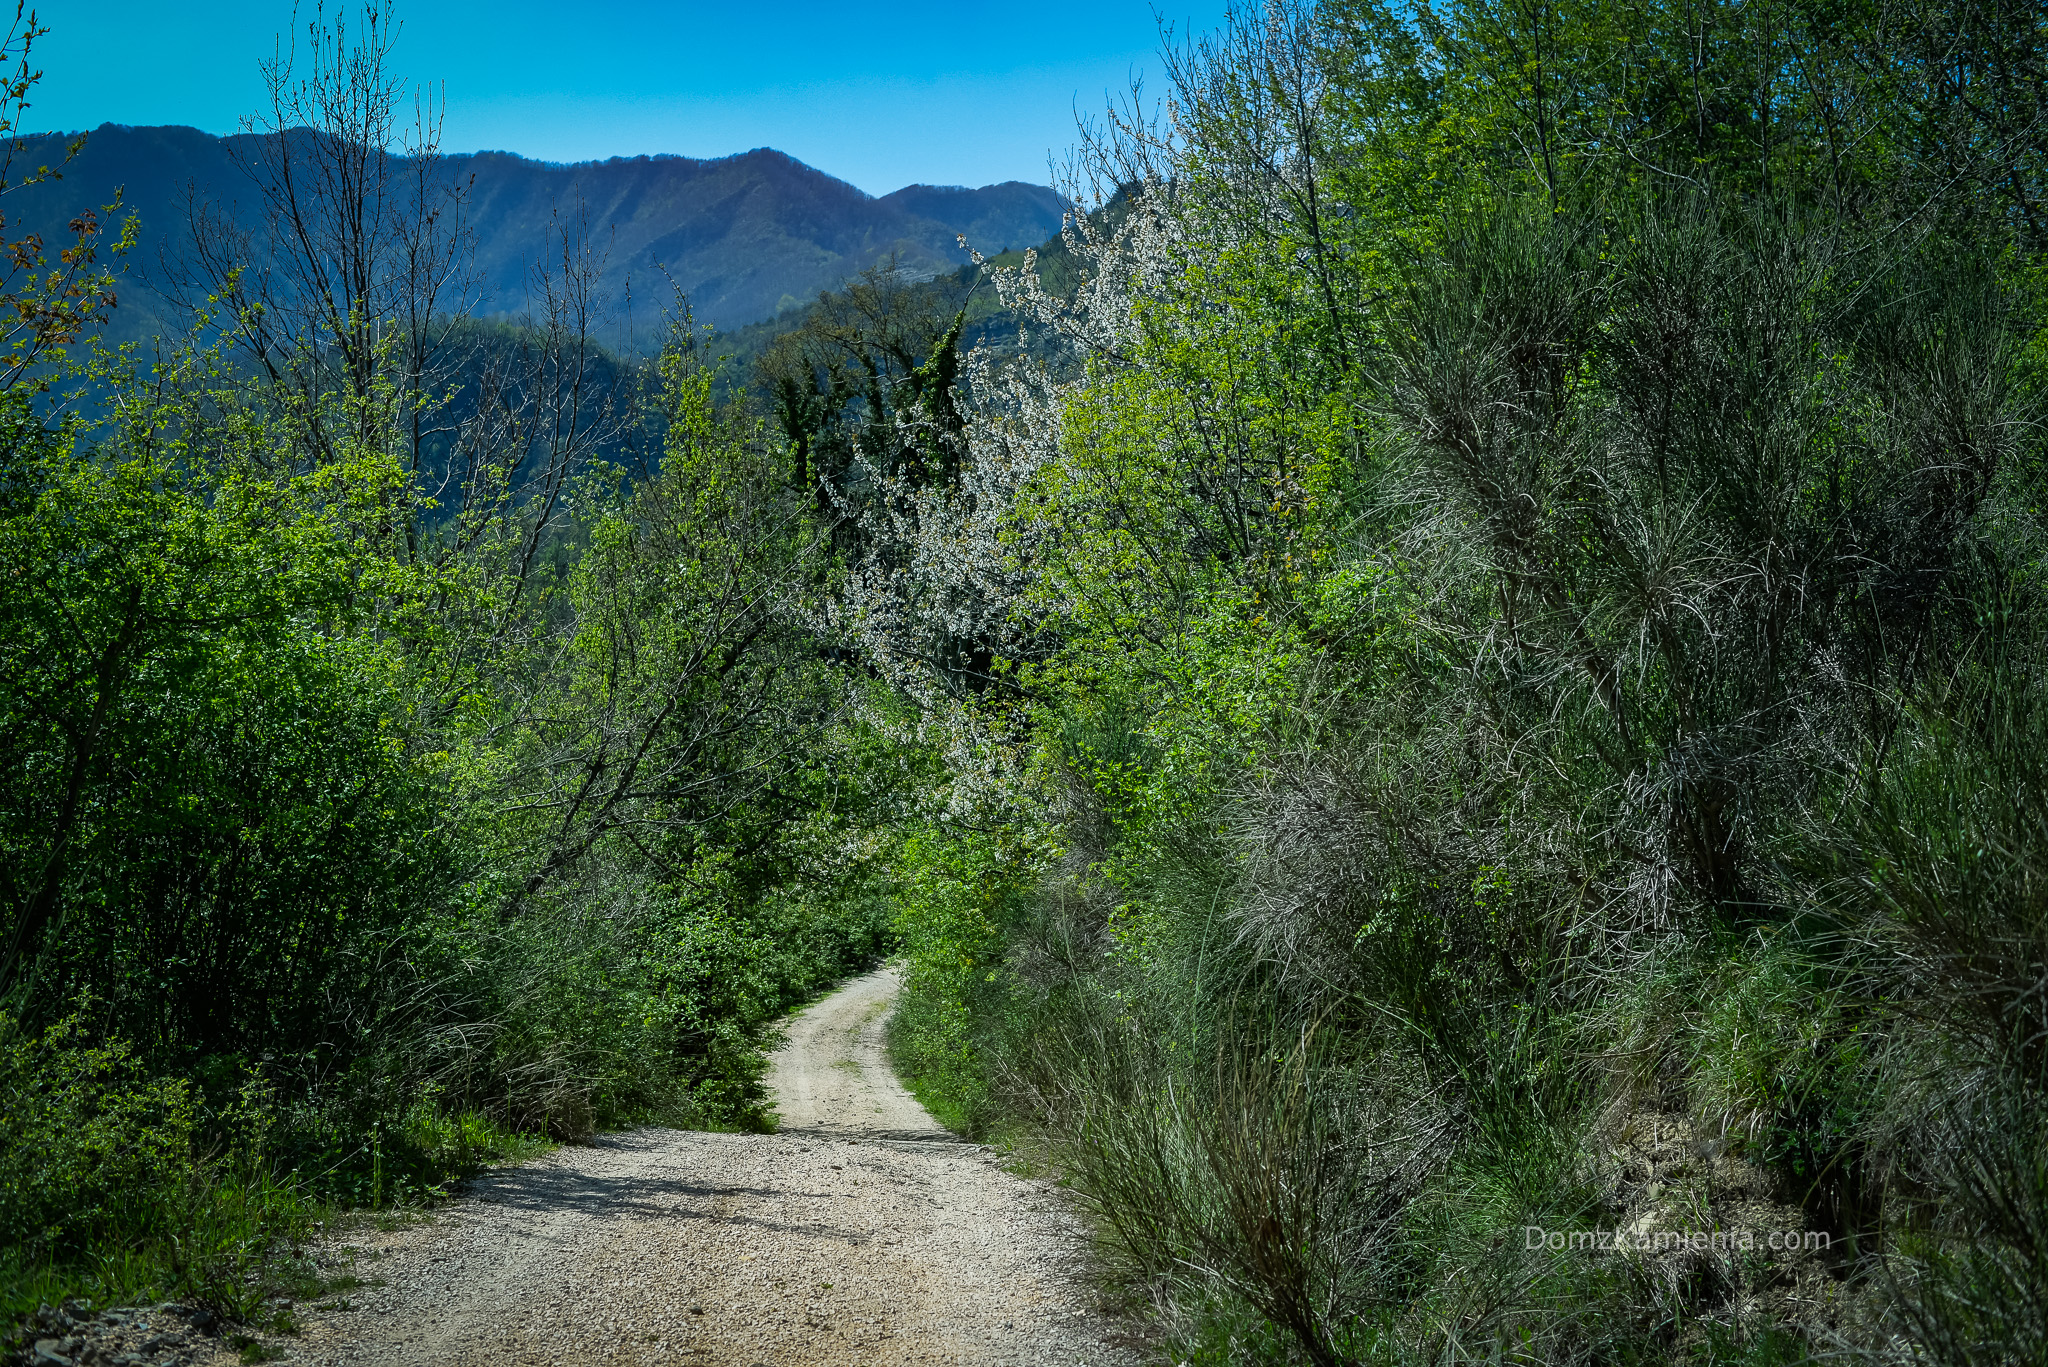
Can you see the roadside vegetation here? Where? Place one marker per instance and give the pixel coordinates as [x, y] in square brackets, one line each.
[1444, 698]
[1495, 807]
[415, 747]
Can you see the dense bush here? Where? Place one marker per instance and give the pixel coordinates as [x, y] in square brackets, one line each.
[93, 1144]
[1516, 634]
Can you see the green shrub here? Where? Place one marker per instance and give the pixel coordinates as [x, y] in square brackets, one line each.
[958, 897]
[90, 1144]
[119, 1186]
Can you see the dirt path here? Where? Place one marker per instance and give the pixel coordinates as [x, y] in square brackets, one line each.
[862, 1233]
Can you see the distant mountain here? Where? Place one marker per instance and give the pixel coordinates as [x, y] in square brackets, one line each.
[746, 236]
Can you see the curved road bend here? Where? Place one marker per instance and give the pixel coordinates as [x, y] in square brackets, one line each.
[863, 1233]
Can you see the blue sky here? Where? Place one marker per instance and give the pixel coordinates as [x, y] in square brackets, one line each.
[881, 95]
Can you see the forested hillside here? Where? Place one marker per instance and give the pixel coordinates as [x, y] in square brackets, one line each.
[745, 236]
[1453, 735]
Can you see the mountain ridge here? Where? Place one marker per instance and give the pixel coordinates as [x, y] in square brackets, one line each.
[745, 236]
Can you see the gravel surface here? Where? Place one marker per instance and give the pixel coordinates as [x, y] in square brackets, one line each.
[862, 1233]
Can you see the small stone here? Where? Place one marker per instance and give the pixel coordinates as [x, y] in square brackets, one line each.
[46, 1354]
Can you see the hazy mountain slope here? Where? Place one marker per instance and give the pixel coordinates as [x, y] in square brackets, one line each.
[745, 236]
[992, 220]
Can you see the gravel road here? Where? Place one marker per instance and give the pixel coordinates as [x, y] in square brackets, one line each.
[862, 1233]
